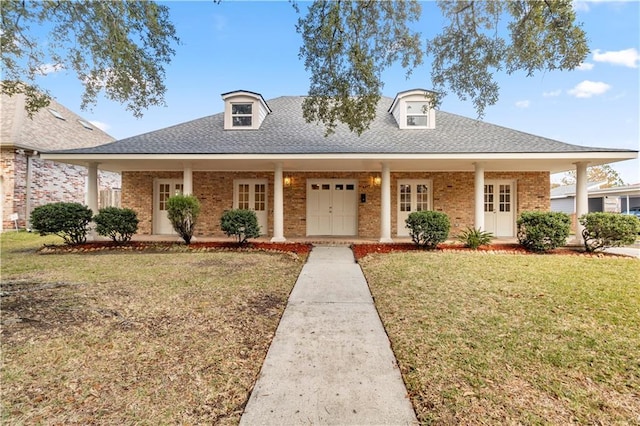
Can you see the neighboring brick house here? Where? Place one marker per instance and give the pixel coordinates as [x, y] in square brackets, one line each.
[27, 180]
[264, 156]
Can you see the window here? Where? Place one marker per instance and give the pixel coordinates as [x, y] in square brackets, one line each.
[505, 198]
[488, 198]
[241, 115]
[56, 114]
[417, 114]
[85, 124]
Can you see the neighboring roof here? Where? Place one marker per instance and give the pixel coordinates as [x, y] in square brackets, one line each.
[285, 131]
[564, 191]
[569, 191]
[45, 132]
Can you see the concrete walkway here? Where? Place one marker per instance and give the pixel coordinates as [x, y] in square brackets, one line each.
[330, 362]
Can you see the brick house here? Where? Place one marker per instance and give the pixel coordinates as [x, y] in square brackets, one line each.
[28, 180]
[264, 156]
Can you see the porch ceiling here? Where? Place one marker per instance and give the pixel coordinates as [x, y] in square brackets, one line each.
[551, 162]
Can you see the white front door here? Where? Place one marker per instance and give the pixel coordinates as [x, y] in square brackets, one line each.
[163, 189]
[251, 194]
[499, 202]
[332, 207]
[413, 196]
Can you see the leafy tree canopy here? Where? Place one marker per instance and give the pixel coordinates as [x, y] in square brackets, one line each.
[348, 44]
[604, 173]
[119, 47]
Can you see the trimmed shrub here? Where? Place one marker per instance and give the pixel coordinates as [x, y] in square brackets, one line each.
[243, 224]
[474, 237]
[183, 211]
[543, 231]
[428, 228]
[69, 221]
[602, 230]
[118, 224]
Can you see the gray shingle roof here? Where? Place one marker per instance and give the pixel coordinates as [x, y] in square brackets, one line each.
[285, 131]
[45, 132]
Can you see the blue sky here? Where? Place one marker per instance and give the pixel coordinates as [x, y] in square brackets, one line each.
[254, 46]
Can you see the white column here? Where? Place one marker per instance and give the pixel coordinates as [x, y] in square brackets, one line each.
[278, 206]
[187, 180]
[92, 187]
[385, 205]
[582, 198]
[478, 221]
[92, 196]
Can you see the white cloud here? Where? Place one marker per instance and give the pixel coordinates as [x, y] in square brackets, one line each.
[523, 104]
[585, 6]
[587, 89]
[581, 6]
[45, 69]
[585, 66]
[100, 125]
[552, 94]
[626, 58]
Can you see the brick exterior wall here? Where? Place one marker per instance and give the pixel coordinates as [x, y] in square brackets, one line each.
[452, 195]
[50, 182]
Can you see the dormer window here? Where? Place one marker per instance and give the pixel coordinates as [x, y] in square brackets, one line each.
[417, 114]
[244, 110]
[241, 115]
[413, 109]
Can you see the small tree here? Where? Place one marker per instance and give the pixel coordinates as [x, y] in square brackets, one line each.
[66, 220]
[241, 223]
[183, 211]
[428, 228]
[602, 230]
[543, 231]
[118, 224]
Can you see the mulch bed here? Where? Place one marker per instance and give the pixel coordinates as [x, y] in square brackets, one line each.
[362, 250]
[298, 249]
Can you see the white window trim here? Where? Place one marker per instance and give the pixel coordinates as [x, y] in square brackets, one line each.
[422, 114]
[249, 126]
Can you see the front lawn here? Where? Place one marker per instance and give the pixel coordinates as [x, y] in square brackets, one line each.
[513, 339]
[127, 337]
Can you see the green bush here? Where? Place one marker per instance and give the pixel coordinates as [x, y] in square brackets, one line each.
[118, 224]
[183, 211]
[474, 237]
[428, 228]
[241, 223]
[602, 230]
[543, 231]
[67, 220]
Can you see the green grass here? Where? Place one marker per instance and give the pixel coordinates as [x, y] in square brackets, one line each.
[125, 338]
[485, 339]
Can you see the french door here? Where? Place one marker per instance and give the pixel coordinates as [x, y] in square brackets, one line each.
[251, 194]
[413, 196]
[163, 189]
[499, 206]
[332, 207]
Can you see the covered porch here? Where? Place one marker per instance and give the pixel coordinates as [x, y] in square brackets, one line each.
[383, 172]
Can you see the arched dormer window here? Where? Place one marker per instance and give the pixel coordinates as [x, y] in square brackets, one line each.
[244, 110]
[413, 109]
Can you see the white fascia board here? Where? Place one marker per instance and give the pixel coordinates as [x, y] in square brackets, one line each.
[577, 156]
